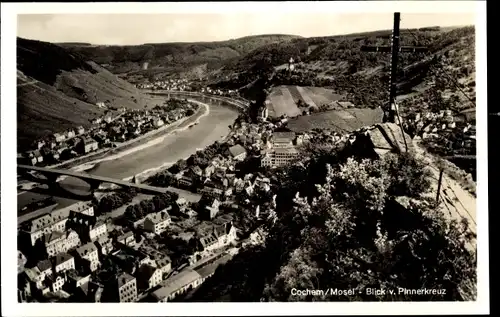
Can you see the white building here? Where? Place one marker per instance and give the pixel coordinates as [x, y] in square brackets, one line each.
[58, 242]
[58, 282]
[39, 273]
[127, 288]
[279, 156]
[80, 130]
[157, 222]
[90, 145]
[178, 284]
[149, 276]
[221, 236]
[59, 137]
[97, 230]
[164, 264]
[63, 262]
[158, 123]
[127, 239]
[71, 134]
[55, 221]
[89, 253]
[21, 261]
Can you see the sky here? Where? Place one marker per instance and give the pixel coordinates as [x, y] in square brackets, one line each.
[133, 29]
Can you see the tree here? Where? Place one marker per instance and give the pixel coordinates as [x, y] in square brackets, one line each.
[351, 233]
[300, 273]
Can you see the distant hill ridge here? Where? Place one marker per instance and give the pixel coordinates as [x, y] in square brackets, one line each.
[122, 59]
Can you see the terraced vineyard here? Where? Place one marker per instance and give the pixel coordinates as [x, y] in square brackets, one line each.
[341, 121]
[285, 99]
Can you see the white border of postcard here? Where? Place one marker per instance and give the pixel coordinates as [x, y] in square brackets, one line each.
[10, 307]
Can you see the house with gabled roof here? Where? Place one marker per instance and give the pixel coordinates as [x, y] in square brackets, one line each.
[157, 222]
[89, 292]
[148, 276]
[88, 256]
[36, 157]
[219, 236]
[63, 262]
[126, 238]
[126, 288]
[178, 284]
[209, 207]
[238, 152]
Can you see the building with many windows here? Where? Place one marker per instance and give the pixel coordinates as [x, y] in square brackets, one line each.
[148, 276]
[54, 221]
[280, 150]
[58, 242]
[89, 255]
[63, 262]
[157, 222]
[279, 157]
[127, 288]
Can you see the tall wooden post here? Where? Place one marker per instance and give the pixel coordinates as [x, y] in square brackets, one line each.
[441, 171]
[394, 48]
[391, 112]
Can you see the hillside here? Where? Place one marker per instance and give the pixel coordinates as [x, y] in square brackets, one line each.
[334, 62]
[57, 90]
[167, 58]
[362, 78]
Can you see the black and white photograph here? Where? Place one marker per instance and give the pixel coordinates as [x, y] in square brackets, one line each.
[239, 152]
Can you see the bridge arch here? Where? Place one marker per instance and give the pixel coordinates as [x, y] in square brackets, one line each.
[93, 180]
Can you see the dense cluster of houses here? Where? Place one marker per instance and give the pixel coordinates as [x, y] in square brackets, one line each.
[60, 146]
[106, 131]
[218, 180]
[219, 92]
[435, 126]
[138, 122]
[167, 84]
[185, 85]
[276, 148]
[70, 255]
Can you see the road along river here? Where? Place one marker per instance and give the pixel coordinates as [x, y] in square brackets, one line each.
[154, 154]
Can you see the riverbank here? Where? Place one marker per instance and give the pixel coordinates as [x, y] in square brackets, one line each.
[151, 138]
[175, 146]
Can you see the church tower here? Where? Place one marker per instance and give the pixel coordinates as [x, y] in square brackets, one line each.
[291, 65]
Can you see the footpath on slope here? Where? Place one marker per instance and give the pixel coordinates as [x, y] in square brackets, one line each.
[458, 203]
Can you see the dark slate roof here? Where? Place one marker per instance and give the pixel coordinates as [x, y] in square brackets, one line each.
[207, 200]
[208, 240]
[86, 249]
[61, 258]
[124, 278]
[146, 271]
[44, 265]
[283, 136]
[49, 237]
[236, 150]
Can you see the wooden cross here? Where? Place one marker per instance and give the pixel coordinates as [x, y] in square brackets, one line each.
[394, 48]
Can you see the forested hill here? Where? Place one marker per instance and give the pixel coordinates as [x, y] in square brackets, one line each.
[447, 70]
